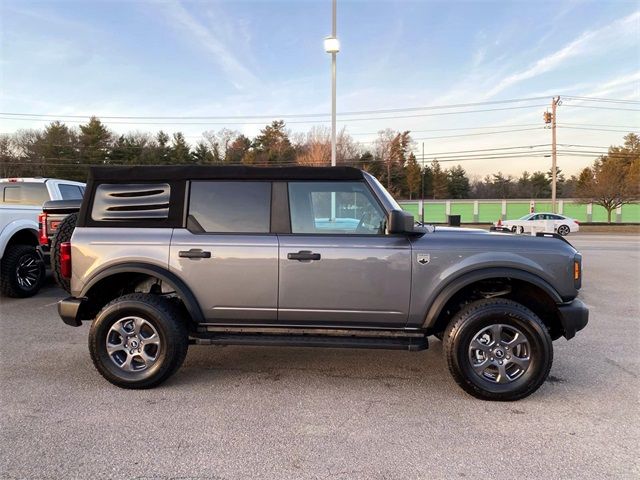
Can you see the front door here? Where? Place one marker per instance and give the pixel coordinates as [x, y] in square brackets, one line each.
[338, 267]
[227, 255]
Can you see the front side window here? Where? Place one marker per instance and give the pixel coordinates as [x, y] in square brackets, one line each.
[231, 207]
[332, 208]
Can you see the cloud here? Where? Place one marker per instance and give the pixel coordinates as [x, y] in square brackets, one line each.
[589, 42]
[238, 74]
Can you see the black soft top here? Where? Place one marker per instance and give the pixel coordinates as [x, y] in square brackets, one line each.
[121, 174]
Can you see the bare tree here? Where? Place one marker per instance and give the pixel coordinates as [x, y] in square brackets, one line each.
[614, 179]
[219, 142]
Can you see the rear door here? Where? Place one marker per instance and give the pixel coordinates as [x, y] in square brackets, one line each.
[227, 255]
[338, 267]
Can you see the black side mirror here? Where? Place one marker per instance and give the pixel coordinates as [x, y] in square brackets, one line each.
[400, 222]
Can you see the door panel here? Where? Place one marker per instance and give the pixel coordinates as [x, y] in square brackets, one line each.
[237, 283]
[357, 281]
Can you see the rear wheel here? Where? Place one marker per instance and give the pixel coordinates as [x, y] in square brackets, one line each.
[22, 271]
[138, 340]
[564, 230]
[498, 349]
[63, 234]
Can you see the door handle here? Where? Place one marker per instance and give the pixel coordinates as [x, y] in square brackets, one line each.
[303, 256]
[194, 253]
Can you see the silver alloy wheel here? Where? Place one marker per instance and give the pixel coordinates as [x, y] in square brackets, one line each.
[133, 344]
[563, 230]
[28, 271]
[500, 353]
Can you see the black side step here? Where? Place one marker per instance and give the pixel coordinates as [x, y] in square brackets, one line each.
[411, 343]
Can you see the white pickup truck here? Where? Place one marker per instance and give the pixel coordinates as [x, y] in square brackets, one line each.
[22, 268]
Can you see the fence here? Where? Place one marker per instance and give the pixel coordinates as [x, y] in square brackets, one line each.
[488, 211]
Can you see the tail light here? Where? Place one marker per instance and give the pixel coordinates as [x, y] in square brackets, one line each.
[65, 259]
[577, 222]
[42, 229]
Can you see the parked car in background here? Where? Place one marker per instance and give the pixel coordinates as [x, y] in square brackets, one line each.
[540, 222]
[22, 265]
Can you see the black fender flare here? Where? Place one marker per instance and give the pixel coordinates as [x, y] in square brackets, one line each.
[455, 285]
[183, 291]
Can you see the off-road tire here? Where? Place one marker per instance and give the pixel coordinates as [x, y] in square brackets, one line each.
[478, 315]
[165, 317]
[9, 283]
[63, 234]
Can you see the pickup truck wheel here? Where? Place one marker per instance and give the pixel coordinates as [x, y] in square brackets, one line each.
[497, 349]
[22, 271]
[138, 340]
[63, 234]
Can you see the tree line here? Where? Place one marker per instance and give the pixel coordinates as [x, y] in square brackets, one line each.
[58, 150]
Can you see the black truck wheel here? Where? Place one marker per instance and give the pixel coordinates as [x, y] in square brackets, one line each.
[63, 234]
[138, 340]
[497, 349]
[22, 271]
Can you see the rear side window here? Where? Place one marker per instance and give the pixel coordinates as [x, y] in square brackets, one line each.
[70, 192]
[138, 202]
[230, 207]
[25, 193]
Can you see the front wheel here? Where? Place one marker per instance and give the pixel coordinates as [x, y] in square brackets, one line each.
[138, 340]
[497, 349]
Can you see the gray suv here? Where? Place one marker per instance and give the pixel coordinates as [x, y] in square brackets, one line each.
[166, 256]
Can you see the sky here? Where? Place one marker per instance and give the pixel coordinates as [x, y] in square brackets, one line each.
[265, 58]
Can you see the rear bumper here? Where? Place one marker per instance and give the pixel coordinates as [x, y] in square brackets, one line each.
[69, 311]
[574, 316]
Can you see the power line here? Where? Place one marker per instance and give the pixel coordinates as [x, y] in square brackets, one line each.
[564, 105]
[285, 115]
[347, 120]
[602, 100]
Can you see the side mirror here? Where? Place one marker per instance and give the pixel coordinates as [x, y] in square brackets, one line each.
[400, 222]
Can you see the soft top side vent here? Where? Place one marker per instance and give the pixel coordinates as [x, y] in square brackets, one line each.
[126, 202]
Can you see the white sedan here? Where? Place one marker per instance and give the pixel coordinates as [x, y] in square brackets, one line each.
[541, 222]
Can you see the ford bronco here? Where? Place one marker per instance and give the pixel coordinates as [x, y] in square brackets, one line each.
[162, 257]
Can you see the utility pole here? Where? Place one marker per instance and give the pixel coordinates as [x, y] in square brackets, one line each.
[422, 185]
[551, 118]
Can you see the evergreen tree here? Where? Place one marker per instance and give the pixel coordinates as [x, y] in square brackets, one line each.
[202, 155]
[272, 146]
[180, 152]
[414, 176]
[94, 143]
[458, 184]
[439, 181]
[162, 150]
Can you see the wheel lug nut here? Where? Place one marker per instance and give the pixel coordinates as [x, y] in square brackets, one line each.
[500, 362]
[492, 359]
[508, 357]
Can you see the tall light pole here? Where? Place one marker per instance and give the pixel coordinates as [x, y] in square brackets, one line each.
[332, 46]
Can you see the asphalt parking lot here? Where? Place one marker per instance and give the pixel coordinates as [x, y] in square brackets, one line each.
[267, 412]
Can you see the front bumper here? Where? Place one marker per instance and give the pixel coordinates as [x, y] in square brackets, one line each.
[574, 316]
[69, 311]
